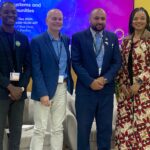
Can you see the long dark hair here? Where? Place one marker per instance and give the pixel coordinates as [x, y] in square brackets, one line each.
[131, 29]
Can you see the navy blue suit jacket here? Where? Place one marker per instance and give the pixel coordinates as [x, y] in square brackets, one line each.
[22, 62]
[45, 67]
[85, 64]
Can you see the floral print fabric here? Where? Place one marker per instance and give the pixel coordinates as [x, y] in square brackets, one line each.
[133, 121]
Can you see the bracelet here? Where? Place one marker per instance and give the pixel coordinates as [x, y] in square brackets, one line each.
[139, 81]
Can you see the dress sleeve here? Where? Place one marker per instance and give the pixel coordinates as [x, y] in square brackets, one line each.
[145, 74]
[122, 77]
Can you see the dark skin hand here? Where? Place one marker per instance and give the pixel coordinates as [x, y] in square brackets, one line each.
[15, 92]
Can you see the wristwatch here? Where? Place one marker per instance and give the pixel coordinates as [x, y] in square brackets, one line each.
[22, 89]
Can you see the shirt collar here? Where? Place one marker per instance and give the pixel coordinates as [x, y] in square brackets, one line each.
[94, 32]
[52, 37]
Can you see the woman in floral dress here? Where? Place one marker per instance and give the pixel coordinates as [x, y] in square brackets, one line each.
[133, 120]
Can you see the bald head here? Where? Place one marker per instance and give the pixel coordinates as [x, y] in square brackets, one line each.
[97, 11]
[54, 20]
[98, 19]
[54, 11]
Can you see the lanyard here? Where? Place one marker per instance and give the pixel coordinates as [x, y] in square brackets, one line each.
[59, 49]
[59, 45]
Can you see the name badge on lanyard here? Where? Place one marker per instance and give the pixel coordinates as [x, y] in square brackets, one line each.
[14, 76]
[60, 79]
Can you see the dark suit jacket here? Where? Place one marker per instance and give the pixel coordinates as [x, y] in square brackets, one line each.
[45, 67]
[85, 64]
[22, 62]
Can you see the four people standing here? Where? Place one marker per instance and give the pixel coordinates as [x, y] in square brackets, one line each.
[96, 60]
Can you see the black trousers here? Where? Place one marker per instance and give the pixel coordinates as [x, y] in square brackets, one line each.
[14, 111]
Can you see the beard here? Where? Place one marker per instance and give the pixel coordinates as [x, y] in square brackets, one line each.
[96, 28]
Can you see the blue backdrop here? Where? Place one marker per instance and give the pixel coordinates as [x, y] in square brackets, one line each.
[32, 14]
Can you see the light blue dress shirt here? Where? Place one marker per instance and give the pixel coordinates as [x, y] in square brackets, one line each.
[100, 54]
[60, 53]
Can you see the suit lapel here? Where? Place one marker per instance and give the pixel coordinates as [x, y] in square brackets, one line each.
[66, 45]
[6, 47]
[106, 47]
[17, 49]
[89, 44]
[105, 40]
[50, 47]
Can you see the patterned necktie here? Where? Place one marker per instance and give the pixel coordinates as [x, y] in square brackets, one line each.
[98, 40]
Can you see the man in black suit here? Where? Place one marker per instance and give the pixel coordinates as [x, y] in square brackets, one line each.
[14, 75]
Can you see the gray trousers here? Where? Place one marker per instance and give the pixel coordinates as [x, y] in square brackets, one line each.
[14, 111]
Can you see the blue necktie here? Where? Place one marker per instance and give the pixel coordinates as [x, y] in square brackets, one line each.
[98, 41]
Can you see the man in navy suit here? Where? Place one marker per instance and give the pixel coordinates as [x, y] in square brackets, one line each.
[96, 60]
[51, 78]
[15, 70]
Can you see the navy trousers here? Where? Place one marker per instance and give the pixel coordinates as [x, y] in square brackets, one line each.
[98, 106]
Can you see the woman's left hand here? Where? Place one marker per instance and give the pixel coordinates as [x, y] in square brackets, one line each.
[135, 88]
